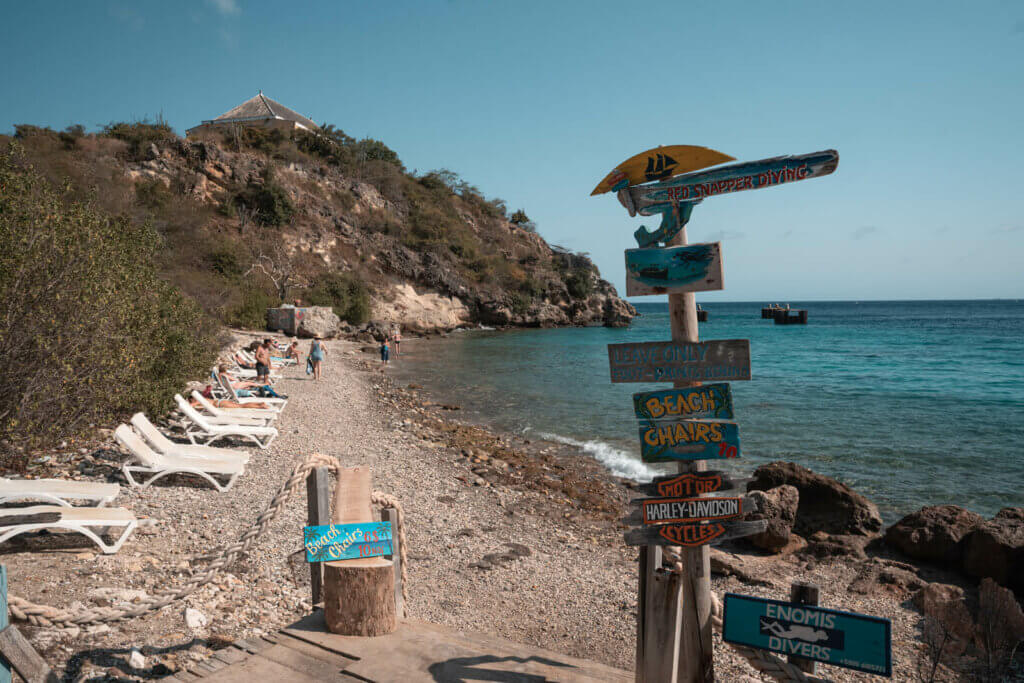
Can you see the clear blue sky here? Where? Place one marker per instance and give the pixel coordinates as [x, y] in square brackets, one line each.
[535, 101]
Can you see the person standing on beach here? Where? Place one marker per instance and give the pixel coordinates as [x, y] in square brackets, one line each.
[384, 354]
[396, 336]
[263, 362]
[317, 353]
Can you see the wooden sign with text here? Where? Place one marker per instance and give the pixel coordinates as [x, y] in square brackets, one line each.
[693, 268]
[712, 401]
[689, 485]
[692, 535]
[329, 542]
[666, 510]
[721, 359]
[662, 441]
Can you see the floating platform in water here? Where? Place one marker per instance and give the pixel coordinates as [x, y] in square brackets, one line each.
[786, 316]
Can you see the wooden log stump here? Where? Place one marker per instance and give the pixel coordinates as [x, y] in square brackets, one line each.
[359, 595]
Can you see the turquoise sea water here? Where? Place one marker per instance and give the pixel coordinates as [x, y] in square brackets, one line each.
[911, 403]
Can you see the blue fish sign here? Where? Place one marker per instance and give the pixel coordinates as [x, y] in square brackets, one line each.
[693, 268]
[846, 639]
[712, 401]
[674, 198]
[347, 541]
[662, 441]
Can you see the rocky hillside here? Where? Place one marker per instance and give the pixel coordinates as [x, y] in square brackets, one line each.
[259, 218]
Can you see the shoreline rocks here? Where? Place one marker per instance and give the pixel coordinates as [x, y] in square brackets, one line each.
[825, 504]
[934, 533]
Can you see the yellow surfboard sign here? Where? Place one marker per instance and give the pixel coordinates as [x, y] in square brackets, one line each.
[660, 163]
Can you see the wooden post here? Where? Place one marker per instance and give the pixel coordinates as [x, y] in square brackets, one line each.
[696, 648]
[318, 508]
[359, 595]
[5, 667]
[804, 593]
[391, 515]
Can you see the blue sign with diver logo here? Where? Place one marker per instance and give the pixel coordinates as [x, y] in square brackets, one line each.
[847, 639]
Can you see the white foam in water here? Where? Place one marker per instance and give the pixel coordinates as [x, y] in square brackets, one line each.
[620, 463]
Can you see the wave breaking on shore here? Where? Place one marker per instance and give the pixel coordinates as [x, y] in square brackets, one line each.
[618, 462]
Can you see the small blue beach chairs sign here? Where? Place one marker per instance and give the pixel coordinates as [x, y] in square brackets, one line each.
[709, 401]
[847, 639]
[662, 441]
[347, 541]
[693, 268]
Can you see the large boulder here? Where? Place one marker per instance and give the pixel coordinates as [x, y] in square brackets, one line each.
[825, 504]
[935, 533]
[318, 320]
[778, 506]
[995, 549]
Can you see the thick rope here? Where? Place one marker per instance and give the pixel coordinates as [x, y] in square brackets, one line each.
[45, 615]
[763, 661]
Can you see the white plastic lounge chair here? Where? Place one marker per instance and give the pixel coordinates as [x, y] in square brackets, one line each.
[200, 426]
[161, 444]
[231, 419]
[57, 491]
[279, 403]
[15, 521]
[160, 465]
[230, 413]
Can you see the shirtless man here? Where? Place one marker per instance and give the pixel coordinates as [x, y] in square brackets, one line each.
[263, 362]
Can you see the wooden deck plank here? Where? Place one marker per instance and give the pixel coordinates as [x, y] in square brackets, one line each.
[418, 651]
[315, 651]
[298, 661]
[230, 655]
[258, 668]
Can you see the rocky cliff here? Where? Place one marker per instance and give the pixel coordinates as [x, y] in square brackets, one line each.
[282, 215]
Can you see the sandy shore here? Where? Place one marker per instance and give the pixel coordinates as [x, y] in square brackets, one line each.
[506, 537]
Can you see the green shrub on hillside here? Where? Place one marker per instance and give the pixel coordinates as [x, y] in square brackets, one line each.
[345, 293]
[139, 135]
[578, 283]
[251, 312]
[268, 202]
[88, 330]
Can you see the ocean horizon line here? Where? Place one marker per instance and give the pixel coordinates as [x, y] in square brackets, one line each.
[637, 300]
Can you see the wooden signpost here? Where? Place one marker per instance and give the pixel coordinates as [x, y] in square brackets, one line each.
[665, 510]
[694, 535]
[694, 268]
[846, 639]
[689, 484]
[663, 441]
[347, 541]
[683, 361]
[689, 423]
[674, 198]
[706, 401]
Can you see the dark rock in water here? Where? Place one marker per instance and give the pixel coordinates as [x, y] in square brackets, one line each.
[935, 533]
[995, 549]
[779, 507]
[825, 504]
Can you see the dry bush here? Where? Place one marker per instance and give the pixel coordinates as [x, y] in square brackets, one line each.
[944, 635]
[1000, 629]
[88, 329]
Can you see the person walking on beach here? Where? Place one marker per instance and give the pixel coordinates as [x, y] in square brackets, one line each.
[396, 336]
[317, 353]
[385, 353]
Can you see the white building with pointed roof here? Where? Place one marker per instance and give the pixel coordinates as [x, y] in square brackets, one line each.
[258, 112]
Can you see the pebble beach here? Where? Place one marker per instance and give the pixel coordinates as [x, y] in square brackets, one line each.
[507, 536]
